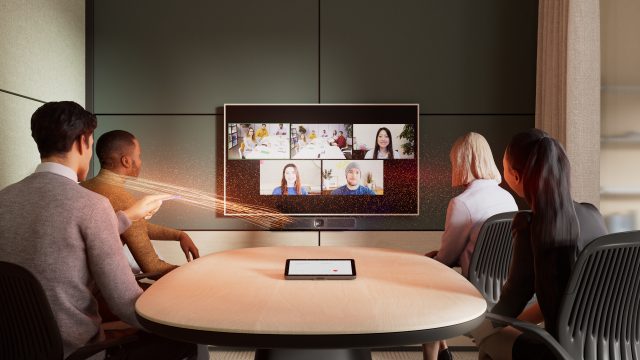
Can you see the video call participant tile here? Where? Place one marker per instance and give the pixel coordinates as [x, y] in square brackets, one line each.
[290, 177]
[353, 177]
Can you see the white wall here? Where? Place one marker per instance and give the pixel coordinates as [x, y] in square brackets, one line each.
[366, 134]
[376, 167]
[42, 52]
[271, 173]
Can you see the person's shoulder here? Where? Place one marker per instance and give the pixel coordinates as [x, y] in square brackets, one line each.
[304, 191]
[366, 190]
[369, 154]
[588, 211]
[277, 191]
[115, 194]
[586, 206]
[339, 191]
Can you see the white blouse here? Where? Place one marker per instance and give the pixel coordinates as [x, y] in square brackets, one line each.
[466, 214]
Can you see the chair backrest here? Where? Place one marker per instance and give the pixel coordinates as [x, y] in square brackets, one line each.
[600, 313]
[491, 259]
[28, 329]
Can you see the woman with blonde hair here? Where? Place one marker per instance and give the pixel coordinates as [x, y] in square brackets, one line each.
[474, 168]
[250, 141]
[302, 141]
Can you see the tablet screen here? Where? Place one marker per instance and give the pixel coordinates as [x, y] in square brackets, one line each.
[320, 267]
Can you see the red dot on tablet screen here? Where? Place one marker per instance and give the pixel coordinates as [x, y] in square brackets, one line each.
[335, 270]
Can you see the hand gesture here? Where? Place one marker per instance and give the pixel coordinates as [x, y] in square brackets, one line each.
[188, 246]
[145, 207]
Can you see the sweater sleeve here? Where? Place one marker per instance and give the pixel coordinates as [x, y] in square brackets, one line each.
[457, 230]
[248, 144]
[157, 232]
[137, 239]
[123, 222]
[108, 265]
[520, 285]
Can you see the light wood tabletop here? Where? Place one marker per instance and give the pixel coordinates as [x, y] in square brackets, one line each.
[244, 291]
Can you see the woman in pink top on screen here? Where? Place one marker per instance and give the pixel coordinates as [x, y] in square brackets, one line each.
[474, 168]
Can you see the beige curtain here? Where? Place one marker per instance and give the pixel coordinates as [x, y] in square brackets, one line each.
[568, 87]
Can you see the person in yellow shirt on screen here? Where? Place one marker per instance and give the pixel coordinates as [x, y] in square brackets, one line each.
[262, 132]
[313, 135]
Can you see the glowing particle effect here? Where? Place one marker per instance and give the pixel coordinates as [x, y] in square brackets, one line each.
[270, 218]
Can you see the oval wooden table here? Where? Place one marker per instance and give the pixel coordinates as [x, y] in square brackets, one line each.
[240, 298]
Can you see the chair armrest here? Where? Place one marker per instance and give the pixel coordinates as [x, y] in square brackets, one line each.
[535, 332]
[90, 350]
[146, 275]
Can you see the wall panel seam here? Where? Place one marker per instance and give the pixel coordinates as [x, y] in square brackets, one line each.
[22, 96]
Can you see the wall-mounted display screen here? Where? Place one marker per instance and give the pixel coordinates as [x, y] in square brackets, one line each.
[337, 159]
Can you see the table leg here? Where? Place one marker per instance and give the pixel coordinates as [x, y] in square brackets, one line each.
[313, 354]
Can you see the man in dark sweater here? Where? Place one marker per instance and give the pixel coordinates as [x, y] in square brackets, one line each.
[68, 236]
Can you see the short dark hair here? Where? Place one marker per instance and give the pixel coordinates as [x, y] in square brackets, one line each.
[264, 124]
[55, 126]
[113, 145]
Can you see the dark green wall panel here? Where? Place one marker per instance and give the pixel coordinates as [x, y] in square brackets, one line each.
[193, 56]
[451, 57]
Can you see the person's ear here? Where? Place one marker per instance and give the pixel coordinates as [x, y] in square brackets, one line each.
[126, 161]
[517, 177]
[80, 143]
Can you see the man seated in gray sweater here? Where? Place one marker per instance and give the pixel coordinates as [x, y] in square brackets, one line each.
[68, 236]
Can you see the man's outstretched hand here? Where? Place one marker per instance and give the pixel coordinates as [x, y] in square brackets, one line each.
[145, 207]
[188, 246]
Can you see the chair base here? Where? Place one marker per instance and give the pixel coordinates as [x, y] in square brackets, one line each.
[313, 354]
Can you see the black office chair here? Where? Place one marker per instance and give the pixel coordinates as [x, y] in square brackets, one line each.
[28, 329]
[491, 259]
[600, 313]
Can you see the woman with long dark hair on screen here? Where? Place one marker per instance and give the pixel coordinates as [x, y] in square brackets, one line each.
[384, 146]
[290, 183]
[547, 242]
[473, 167]
[249, 140]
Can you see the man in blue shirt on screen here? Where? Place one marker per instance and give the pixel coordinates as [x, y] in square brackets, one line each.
[353, 186]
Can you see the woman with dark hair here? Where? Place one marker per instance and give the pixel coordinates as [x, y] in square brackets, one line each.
[547, 242]
[384, 147]
[290, 183]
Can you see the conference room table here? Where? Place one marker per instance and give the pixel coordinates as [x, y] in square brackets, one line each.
[322, 147]
[279, 148]
[239, 298]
